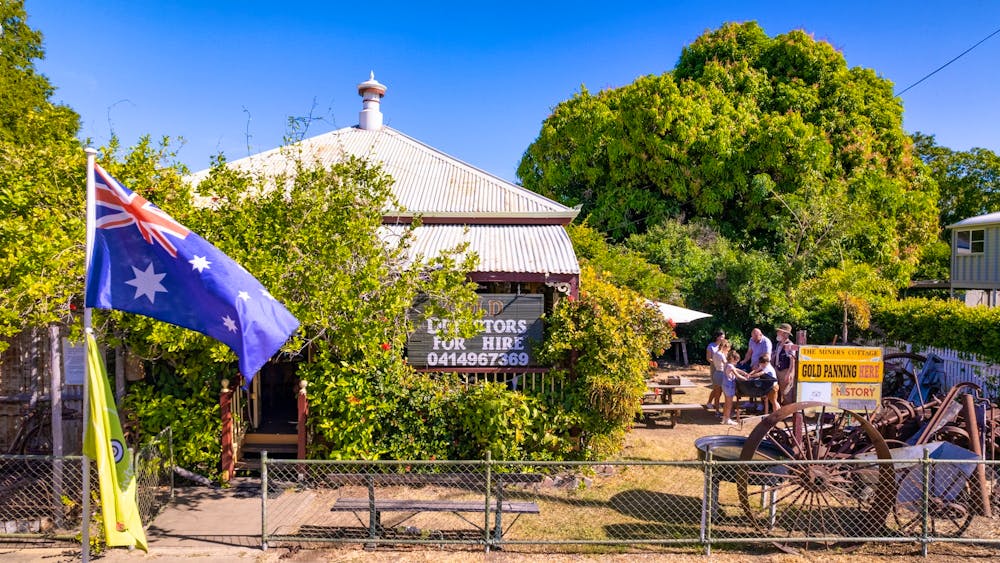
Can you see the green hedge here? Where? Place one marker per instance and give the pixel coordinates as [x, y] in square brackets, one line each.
[944, 324]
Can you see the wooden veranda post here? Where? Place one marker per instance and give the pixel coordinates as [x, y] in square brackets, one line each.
[303, 411]
[226, 412]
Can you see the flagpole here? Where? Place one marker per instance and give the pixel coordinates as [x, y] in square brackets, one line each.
[91, 219]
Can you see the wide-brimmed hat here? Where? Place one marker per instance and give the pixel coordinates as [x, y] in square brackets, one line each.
[784, 327]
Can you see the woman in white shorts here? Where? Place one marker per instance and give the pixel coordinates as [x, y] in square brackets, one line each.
[718, 366]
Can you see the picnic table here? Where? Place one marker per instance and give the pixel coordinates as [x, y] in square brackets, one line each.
[666, 390]
[667, 405]
[375, 505]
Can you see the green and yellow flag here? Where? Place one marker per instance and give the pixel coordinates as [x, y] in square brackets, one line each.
[106, 445]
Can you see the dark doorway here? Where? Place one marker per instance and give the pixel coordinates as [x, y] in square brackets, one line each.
[278, 399]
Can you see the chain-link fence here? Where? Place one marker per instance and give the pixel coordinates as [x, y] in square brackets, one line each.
[803, 503]
[154, 474]
[689, 505]
[42, 496]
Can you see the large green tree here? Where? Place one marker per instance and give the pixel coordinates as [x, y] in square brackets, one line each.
[41, 186]
[622, 266]
[27, 114]
[968, 181]
[776, 141]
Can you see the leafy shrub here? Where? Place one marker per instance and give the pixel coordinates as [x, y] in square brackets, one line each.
[601, 344]
[741, 288]
[189, 405]
[488, 418]
[379, 408]
[943, 323]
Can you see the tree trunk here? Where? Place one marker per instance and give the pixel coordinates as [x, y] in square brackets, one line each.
[844, 334]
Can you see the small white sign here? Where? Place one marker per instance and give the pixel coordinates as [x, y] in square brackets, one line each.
[815, 391]
[74, 362]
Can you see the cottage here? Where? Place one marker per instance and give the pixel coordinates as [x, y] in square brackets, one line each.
[526, 259]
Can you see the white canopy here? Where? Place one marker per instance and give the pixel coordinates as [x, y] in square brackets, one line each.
[678, 314]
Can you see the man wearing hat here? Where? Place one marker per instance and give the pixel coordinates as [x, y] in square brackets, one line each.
[783, 361]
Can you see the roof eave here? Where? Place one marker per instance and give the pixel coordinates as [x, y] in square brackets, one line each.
[987, 220]
[485, 218]
[961, 225]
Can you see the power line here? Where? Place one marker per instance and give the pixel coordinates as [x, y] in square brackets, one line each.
[935, 71]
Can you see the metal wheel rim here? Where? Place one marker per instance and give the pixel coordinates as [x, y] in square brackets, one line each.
[807, 502]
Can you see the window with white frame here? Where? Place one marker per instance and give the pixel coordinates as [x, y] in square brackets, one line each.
[970, 242]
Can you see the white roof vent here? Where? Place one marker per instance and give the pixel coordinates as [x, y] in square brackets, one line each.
[371, 91]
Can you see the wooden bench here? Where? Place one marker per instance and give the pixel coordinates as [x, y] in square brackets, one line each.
[376, 506]
[416, 506]
[672, 410]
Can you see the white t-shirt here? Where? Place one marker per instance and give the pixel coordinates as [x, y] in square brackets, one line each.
[768, 373]
[718, 360]
[730, 371]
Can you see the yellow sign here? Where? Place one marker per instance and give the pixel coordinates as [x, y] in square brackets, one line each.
[847, 376]
[840, 364]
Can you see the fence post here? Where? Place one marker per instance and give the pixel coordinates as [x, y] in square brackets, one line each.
[170, 458]
[374, 518]
[226, 412]
[925, 501]
[707, 503]
[489, 488]
[263, 500]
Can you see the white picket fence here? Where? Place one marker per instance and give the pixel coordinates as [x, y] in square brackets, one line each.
[959, 367]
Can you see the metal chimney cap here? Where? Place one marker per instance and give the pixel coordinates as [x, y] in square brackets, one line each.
[371, 84]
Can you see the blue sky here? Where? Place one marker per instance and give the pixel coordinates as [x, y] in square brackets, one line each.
[474, 80]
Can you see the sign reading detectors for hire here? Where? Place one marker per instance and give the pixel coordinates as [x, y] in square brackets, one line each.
[510, 326]
[847, 376]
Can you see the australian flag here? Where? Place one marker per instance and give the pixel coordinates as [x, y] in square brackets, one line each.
[145, 262]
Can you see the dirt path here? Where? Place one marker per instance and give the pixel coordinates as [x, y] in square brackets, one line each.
[660, 442]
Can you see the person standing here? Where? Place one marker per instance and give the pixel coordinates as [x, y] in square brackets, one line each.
[718, 364]
[758, 346]
[783, 360]
[717, 338]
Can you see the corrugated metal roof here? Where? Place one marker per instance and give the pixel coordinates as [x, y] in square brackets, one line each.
[980, 221]
[427, 181]
[543, 249]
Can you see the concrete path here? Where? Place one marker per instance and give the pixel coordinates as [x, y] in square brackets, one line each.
[200, 523]
[205, 517]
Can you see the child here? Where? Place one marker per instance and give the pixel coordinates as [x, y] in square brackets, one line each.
[765, 373]
[732, 373]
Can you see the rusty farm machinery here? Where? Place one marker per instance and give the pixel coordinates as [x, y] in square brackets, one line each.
[816, 474]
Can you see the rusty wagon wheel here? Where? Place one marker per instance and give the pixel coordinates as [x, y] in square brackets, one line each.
[900, 371]
[800, 504]
[949, 513]
[949, 507]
